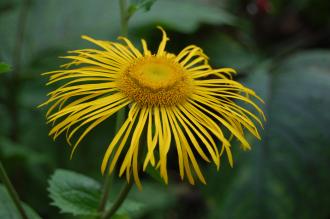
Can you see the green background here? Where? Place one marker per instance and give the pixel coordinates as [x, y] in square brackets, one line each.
[280, 48]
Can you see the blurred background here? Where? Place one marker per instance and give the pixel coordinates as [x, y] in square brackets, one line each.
[280, 48]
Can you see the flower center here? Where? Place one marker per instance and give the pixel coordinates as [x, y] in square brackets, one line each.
[155, 81]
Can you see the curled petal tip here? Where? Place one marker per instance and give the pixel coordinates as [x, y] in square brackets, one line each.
[85, 37]
[160, 27]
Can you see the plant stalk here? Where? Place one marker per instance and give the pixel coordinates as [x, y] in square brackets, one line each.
[120, 199]
[105, 193]
[123, 17]
[13, 194]
[119, 121]
[108, 177]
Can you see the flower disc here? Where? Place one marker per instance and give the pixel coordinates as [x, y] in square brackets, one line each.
[155, 81]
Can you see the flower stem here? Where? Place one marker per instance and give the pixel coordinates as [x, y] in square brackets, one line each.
[108, 177]
[123, 17]
[119, 121]
[120, 199]
[105, 193]
[13, 194]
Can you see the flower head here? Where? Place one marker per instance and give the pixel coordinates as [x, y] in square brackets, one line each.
[175, 101]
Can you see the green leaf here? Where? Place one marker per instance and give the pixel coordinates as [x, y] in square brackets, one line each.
[4, 67]
[183, 16]
[155, 197]
[74, 193]
[284, 176]
[140, 4]
[46, 34]
[223, 50]
[146, 4]
[8, 209]
[80, 195]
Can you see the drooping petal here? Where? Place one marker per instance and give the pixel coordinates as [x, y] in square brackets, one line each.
[162, 45]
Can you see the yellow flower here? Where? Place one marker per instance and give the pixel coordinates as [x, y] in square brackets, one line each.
[172, 99]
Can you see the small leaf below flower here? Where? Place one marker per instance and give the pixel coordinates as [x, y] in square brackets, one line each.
[74, 193]
[80, 195]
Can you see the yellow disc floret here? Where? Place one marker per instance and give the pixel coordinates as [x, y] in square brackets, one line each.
[155, 81]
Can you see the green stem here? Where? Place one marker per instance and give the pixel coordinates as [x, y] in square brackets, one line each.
[108, 178]
[13, 194]
[120, 199]
[119, 121]
[105, 193]
[123, 17]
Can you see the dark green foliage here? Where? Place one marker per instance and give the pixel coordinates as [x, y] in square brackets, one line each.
[80, 195]
[4, 68]
[140, 4]
[8, 209]
[74, 193]
[283, 54]
[284, 174]
[186, 18]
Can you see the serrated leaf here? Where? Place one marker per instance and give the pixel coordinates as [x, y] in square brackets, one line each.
[80, 195]
[74, 193]
[4, 67]
[284, 174]
[8, 209]
[183, 16]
